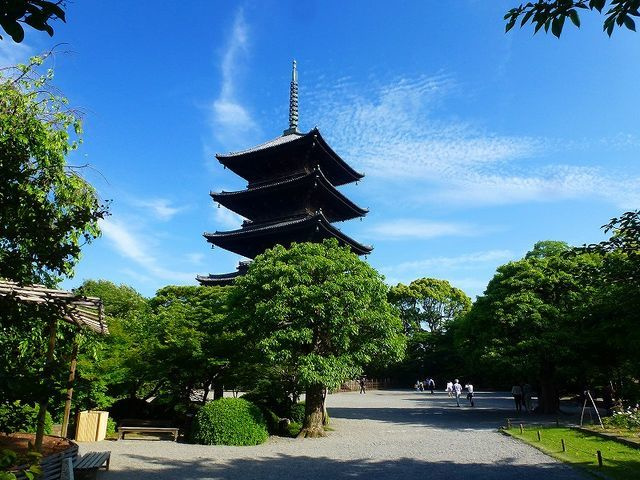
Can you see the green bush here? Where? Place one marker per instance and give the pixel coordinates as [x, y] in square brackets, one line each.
[297, 412]
[294, 429]
[229, 421]
[16, 417]
[111, 426]
[629, 418]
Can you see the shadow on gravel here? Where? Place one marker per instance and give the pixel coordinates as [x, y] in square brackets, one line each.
[286, 467]
[490, 412]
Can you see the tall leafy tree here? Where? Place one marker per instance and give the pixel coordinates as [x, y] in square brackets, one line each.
[48, 210]
[195, 341]
[118, 365]
[429, 307]
[531, 322]
[552, 14]
[616, 307]
[429, 304]
[320, 311]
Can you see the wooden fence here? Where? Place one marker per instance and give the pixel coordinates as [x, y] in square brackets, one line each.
[369, 383]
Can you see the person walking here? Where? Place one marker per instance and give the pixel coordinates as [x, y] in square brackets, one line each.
[457, 390]
[526, 397]
[516, 391]
[363, 388]
[469, 388]
[432, 384]
[449, 389]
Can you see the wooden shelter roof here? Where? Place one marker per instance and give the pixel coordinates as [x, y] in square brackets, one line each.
[75, 309]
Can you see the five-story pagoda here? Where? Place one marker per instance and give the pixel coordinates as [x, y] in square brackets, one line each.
[291, 194]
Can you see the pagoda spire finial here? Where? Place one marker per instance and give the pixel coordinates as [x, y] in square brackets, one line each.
[293, 102]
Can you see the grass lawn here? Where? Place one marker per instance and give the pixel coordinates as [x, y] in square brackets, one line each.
[618, 461]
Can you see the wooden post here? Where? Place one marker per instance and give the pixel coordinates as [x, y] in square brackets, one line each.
[42, 410]
[72, 376]
[539, 435]
[599, 453]
[520, 429]
[564, 447]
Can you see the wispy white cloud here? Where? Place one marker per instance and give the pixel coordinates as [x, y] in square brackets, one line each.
[161, 208]
[468, 260]
[392, 131]
[423, 229]
[135, 248]
[13, 53]
[232, 121]
[195, 258]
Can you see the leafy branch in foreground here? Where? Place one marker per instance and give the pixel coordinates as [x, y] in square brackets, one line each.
[552, 14]
[35, 13]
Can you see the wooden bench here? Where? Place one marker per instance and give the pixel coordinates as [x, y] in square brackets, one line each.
[146, 426]
[86, 467]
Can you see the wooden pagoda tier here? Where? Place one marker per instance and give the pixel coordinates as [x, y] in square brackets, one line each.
[291, 194]
[292, 152]
[223, 279]
[312, 191]
[254, 238]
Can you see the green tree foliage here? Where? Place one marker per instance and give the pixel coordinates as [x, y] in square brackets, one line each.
[552, 14]
[616, 306]
[531, 322]
[429, 308]
[35, 13]
[229, 421]
[320, 313]
[48, 210]
[194, 340]
[429, 304]
[117, 365]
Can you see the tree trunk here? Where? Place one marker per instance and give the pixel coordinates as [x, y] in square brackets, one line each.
[218, 390]
[548, 400]
[205, 393]
[313, 413]
[44, 402]
[72, 376]
[325, 415]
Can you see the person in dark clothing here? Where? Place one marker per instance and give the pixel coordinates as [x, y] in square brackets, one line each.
[363, 388]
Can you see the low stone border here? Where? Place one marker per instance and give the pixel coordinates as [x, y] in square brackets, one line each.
[608, 436]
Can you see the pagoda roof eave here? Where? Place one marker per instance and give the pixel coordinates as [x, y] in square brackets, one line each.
[225, 239]
[228, 199]
[325, 146]
[234, 160]
[217, 279]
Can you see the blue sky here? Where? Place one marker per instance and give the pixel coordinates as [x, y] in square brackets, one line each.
[475, 144]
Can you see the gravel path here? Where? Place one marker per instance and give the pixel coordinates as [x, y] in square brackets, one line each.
[381, 435]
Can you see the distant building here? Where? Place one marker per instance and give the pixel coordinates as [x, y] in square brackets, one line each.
[291, 195]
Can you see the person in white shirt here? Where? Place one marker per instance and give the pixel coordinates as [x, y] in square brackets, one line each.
[449, 389]
[457, 390]
[469, 388]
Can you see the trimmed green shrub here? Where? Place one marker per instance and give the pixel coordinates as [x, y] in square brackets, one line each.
[111, 426]
[297, 412]
[16, 417]
[294, 429]
[229, 421]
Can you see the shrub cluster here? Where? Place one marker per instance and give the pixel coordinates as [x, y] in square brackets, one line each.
[229, 421]
[629, 418]
[18, 417]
